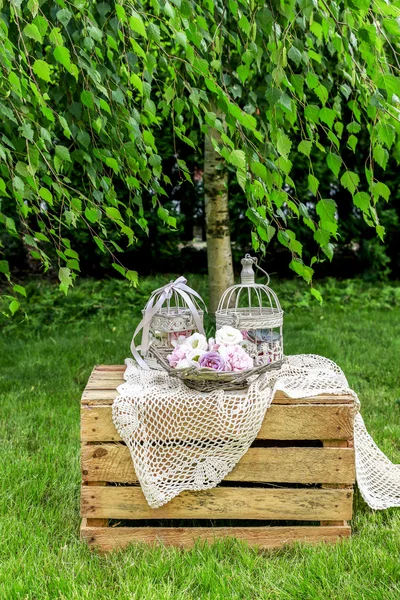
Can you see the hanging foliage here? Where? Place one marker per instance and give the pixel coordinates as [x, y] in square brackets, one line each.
[85, 84]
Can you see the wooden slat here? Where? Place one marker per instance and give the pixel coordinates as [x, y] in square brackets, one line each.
[185, 537]
[113, 463]
[298, 422]
[106, 397]
[96, 522]
[220, 503]
[110, 368]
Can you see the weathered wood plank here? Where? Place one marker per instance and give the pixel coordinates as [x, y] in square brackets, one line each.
[288, 422]
[113, 463]
[106, 397]
[185, 537]
[220, 503]
[96, 522]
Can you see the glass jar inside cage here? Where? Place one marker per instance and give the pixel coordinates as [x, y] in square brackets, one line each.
[255, 310]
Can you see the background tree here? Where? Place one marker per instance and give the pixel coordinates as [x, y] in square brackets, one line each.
[86, 85]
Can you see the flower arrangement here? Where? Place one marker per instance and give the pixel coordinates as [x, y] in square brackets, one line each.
[227, 352]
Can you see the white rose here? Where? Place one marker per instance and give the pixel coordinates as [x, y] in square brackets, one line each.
[228, 336]
[184, 363]
[193, 356]
[197, 341]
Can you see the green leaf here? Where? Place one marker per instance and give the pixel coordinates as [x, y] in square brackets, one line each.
[326, 210]
[119, 268]
[92, 214]
[243, 71]
[132, 276]
[13, 306]
[181, 39]
[87, 98]
[311, 112]
[381, 155]
[137, 25]
[238, 158]
[105, 106]
[322, 237]
[328, 250]
[137, 82]
[283, 144]
[362, 201]
[64, 275]
[62, 55]
[100, 244]
[19, 289]
[317, 295]
[113, 213]
[350, 181]
[313, 184]
[63, 154]
[386, 133]
[295, 55]
[42, 69]
[153, 32]
[260, 170]
[3, 190]
[244, 24]
[298, 267]
[26, 131]
[312, 80]
[352, 142]
[305, 147]
[64, 16]
[334, 162]
[322, 93]
[327, 115]
[380, 230]
[111, 162]
[4, 267]
[381, 189]
[31, 31]
[46, 195]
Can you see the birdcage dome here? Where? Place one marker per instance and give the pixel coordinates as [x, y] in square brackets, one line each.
[255, 310]
[249, 305]
[171, 311]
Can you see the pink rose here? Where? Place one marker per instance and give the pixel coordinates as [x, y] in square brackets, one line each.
[212, 345]
[212, 360]
[236, 358]
[178, 337]
[178, 354]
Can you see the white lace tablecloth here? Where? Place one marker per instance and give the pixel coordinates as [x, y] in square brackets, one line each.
[181, 439]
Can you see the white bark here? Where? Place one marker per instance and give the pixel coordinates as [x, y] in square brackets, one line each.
[219, 253]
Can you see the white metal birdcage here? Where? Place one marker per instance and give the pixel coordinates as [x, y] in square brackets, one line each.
[171, 311]
[255, 310]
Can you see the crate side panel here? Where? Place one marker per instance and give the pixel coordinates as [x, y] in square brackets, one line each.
[113, 463]
[124, 502]
[289, 422]
[185, 537]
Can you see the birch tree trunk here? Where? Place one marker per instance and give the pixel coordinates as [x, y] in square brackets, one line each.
[219, 253]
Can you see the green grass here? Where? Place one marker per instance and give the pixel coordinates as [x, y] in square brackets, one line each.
[44, 365]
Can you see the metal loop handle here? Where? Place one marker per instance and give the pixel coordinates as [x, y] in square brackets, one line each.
[255, 259]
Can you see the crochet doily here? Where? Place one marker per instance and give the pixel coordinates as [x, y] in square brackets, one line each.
[181, 439]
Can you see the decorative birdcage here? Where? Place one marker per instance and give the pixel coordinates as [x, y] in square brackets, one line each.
[171, 312]
[254, 309]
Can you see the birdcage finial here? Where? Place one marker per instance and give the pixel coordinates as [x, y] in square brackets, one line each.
[247, 275]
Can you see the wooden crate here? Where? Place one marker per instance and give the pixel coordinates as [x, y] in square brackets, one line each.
[300, 469]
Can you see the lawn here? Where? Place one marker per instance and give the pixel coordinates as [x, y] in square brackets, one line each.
[44, 365]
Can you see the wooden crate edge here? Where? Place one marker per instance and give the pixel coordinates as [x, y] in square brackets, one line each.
[264, 538]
